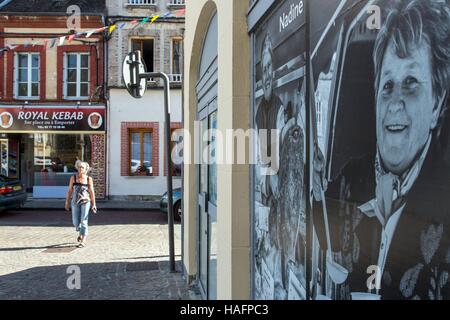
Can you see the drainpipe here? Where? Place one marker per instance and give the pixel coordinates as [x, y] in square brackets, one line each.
[108, 113]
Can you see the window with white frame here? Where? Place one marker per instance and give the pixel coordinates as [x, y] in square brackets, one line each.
[27, 75]
[76, 78]
[176, 60]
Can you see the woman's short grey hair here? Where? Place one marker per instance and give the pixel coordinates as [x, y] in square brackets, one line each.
[408, 24]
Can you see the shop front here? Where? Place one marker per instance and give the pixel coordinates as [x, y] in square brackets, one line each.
[40, 145]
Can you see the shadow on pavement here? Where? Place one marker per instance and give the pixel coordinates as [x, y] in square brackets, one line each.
[56, 247]
[60, 218]
[90, 281]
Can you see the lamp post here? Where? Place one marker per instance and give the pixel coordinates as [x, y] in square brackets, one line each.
[135, 78]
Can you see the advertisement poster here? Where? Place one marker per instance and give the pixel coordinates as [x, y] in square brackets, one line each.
[279, 117]
[51, 119]
[381, 171]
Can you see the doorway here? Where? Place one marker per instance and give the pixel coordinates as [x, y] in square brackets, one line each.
[207, 116]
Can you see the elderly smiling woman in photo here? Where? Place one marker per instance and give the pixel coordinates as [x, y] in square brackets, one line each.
[404, 230]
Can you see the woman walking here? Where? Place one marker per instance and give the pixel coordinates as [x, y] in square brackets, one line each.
[81, 197]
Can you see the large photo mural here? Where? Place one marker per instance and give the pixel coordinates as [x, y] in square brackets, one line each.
[279, 117]
[380, 156]
[382, 168]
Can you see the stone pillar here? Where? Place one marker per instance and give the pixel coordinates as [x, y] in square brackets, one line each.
[98, 164]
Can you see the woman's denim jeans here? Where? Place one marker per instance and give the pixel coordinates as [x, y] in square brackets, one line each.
[80, 216]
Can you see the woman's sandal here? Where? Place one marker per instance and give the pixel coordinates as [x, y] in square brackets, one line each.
[82, 244]
[79, 239]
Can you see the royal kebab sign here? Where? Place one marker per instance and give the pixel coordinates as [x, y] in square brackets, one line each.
[52, 119]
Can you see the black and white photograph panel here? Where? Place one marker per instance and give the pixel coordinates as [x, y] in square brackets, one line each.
[382, 159]
[279, 192]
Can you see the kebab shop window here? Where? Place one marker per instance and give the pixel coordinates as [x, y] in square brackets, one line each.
[52, 160]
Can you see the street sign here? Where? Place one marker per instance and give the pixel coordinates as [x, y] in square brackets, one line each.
[133, 66]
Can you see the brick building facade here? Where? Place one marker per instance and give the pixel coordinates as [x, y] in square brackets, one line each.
[52, 91]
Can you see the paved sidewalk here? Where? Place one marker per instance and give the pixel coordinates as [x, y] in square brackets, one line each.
[126, 257]
[44, 204]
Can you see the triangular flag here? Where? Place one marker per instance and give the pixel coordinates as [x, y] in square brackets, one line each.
[26, 45]
[90, 33]
[111, 28]
[122, 25]
[145, 20]
[71, 37]
[100, 29]
[53, 42]
[45, 43]
[11, 47]
[154, 19]
[166, 15]
[134, 21]
[180, 12]
[61, 40]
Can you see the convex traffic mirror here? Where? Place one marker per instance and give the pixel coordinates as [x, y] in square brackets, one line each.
[133, 67]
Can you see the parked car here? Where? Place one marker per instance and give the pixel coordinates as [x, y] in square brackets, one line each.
[176, 196]
[12, 193]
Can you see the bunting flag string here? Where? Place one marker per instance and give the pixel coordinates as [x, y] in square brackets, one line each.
[112, 28]
[59, 41]
[71, 37]
[154, 19]
[180, 12]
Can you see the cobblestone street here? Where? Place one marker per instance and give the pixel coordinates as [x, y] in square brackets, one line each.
[126, 257]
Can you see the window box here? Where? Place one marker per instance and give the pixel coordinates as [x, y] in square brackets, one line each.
[143, 171]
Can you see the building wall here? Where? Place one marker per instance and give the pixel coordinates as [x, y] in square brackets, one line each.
[98, 164]
[120, 46]
[54, 27]
[121, 7]
[123, 108]
[149, 110]
[47, 28]
[233, 214]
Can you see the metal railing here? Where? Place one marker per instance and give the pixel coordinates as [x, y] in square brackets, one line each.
[176, 3]
[141, 2]
[174, 78]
